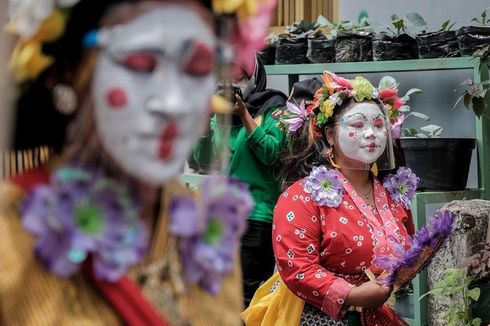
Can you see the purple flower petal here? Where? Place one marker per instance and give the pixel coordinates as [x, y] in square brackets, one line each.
[82, 212]
[207, 254]
[401, 186]
[324, 186]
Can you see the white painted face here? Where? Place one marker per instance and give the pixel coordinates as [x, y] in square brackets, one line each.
[362, 133]
[152, 87]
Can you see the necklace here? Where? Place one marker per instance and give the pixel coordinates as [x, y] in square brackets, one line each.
[365, 194]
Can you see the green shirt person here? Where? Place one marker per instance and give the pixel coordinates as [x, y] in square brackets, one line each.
[255, 143]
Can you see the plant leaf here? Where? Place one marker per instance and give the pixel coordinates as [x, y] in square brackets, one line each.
[415, 19]
[467, 100]
[459, 100]
[476, 322]
[321, 22]
[411, 91]
[410, 132]
[420, 115]
[430, 128]
[479, 106]
[387, 82]
[404, 109]
[474, 294]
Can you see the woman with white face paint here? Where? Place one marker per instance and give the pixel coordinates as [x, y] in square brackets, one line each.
[103, 234]
[335, 218]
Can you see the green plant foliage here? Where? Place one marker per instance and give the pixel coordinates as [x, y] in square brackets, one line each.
[482, 20]
[473, 96]
[409, 24]
[446, 27]
[364, 25]
[454, 285]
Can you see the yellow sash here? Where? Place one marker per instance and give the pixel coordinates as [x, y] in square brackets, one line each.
[280, 307]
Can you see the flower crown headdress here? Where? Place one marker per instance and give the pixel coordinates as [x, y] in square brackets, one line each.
[335, 91]
[40, 22]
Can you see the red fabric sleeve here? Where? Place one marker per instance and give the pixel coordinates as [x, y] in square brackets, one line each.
[297, 236]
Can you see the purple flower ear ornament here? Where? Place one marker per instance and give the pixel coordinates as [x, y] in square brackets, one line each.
[404, 265]
[209, 229]
[82, 212]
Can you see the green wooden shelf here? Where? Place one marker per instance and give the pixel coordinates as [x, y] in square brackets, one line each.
[374, 66]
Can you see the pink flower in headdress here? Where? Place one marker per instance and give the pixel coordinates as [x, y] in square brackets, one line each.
[396, 128]
[387, 94]
[398, 103]
[344, 83]
[250, 35]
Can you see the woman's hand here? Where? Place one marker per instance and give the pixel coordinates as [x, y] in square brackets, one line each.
[368, 295]
[240, 107]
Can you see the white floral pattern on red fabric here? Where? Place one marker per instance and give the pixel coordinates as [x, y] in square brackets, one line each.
[326, 234]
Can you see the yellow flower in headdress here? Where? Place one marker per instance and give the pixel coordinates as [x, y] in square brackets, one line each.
[28, 61]
[52, 28]
[327, 108]
[362, 89]
[48, 31]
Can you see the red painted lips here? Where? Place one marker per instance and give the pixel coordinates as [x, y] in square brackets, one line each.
[167, 140]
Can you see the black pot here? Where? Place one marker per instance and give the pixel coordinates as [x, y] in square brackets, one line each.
[473, 38]
[291, 50]
[268, 55]
[481, 308]
[354, 46]
[321, 50]
[401, 47]
[440, 163]
[442, 44]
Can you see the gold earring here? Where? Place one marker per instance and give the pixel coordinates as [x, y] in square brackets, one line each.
[374, 169]
[330, 157]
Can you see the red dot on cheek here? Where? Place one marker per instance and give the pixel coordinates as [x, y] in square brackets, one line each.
[117, 98]
[352, 134]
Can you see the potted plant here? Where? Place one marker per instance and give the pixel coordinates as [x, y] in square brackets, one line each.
[431, 158]
[321, 48]
[268, 54]
[399, 43]
[474, 93]
[439, 44]
[471, 38]
[479, 269]
[293, 44]
[354, 42]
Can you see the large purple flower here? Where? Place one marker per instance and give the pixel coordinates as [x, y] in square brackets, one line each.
[209, 230]
[324, 186]
[404, 264]
[81, 212]
[401, 186]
